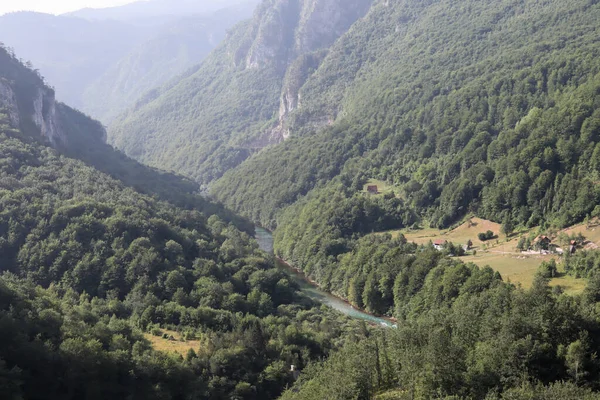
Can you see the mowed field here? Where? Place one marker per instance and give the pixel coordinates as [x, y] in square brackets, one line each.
[501, 253]
[460, 235]
[382, 186]
[172, 346]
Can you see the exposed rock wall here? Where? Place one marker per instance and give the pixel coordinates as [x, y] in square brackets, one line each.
[45, 118]
[40, 109]
[8, 102]
[293, 36]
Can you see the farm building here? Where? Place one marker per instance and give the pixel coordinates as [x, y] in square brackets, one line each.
[439, 244]
[372, 189]
[542, 242]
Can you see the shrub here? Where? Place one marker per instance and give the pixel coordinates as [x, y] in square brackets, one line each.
[483, 236]
[156, 331]
[548, 269]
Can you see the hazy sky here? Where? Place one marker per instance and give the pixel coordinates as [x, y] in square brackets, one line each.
[56, 6]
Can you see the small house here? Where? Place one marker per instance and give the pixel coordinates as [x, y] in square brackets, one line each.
[542, 242]
[439, 244]
[372, 189]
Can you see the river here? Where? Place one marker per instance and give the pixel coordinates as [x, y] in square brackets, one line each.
[265, 241]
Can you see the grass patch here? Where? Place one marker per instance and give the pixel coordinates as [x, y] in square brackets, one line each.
[459, 235]
[512, 267]
[382, 187]
[570, 284]
[177, 346]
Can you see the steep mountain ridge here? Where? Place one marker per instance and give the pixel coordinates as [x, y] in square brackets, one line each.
[230, 105]
[418, 96]
[31, 109]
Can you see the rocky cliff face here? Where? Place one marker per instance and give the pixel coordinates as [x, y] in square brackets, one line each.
[293, 36]
[8, 102]
[34, 113]
[32, 108]
[284, 30]
[44, 116]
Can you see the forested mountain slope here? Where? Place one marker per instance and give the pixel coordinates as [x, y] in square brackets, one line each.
[214, 117]
[91, 267]
[462, 106]
[486, 106]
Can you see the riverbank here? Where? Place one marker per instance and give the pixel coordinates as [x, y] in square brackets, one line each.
[312, 289]
[301, 275]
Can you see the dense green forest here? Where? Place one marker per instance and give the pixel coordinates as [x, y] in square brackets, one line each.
[495, 343]
[89, 265]
[468, 106]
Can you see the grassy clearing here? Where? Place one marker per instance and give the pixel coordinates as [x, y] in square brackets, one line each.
[459, 235]
[512, 267]
[569, 284]
[393, 395]
[172, 346]
[501, 253]
[382, 186]
[591, 232]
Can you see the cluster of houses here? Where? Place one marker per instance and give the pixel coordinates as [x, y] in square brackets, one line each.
[544, 245]
[440, 245]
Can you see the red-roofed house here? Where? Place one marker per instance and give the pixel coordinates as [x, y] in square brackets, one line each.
[439, 244]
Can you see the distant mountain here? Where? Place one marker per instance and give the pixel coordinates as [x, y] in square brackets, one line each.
[69, 52]
[155, 10]
[170, 51]
[101, 65]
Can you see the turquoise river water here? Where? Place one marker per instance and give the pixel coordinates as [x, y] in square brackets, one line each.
[265, 241]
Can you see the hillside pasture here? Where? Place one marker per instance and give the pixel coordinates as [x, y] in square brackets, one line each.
[500, 253]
